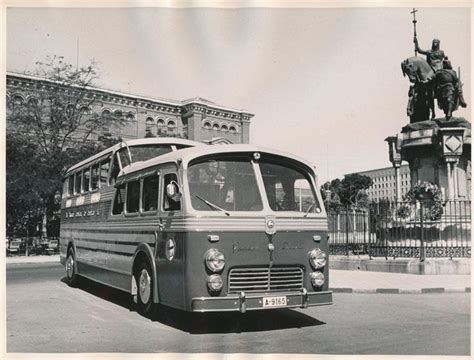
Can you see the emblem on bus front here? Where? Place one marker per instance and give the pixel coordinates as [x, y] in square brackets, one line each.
[270, 225]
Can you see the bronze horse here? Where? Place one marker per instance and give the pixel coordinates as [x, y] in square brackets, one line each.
[421, 94]
[427, 85]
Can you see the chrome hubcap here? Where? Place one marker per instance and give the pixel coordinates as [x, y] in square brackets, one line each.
[144, 286]
[70, 266]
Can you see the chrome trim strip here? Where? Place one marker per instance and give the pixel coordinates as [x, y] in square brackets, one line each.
[102, 267]
[239, 297]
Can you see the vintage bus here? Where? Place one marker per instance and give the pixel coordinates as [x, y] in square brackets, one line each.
[199, 228]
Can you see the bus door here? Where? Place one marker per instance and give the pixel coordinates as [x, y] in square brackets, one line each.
[170, 251]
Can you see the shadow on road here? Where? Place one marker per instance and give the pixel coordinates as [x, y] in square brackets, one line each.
[107, 293]
[209, 323]
[233, 322]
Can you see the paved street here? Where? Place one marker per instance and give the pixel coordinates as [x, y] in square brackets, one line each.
[45, 315]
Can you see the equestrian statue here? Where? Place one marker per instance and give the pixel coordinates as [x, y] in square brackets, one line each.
[433, 78]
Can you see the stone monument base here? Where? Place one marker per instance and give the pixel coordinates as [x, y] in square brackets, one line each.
[438, 151]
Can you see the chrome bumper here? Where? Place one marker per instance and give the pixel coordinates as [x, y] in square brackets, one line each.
[254, 301]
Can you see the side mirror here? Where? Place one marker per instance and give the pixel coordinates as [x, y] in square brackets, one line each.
[172, 191]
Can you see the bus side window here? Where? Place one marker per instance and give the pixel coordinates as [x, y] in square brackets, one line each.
[86, 179]
[78, 183]
[115, 170]
[119, 200]
[70, 185]
[133, 196]
[150, 193]
[170, 204]
[95, 176]
[104, 171]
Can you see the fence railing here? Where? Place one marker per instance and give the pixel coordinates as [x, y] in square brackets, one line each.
[421, 229]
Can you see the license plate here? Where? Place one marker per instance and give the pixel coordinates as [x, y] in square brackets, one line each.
[274, 301]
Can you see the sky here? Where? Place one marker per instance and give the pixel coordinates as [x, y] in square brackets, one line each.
[324, 84]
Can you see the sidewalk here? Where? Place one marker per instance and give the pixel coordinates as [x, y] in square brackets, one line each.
[371, 282]
[34, 259]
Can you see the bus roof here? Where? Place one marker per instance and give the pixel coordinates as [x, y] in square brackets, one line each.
[187, 155]
[134, 142]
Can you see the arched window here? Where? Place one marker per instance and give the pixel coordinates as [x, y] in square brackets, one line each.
[18, 100]
[106, 116]
[160, 122]
[232, 129]
[118, 114]
[207, 125]
[149, 124]
[130, 116]
[70, 108]
[32, 101]
[171, 127]
[224, 128]
[215, 127]
[85, 110]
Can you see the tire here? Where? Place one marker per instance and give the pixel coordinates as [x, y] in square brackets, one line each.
[72, 277]
[145, 282]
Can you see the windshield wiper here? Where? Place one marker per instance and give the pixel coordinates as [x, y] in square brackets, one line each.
[214, 206]
[309, 209]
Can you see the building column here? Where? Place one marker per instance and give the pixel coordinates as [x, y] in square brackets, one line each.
[245, 128]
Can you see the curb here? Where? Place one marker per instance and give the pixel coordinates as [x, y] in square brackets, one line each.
[436, 290]
[32, 259]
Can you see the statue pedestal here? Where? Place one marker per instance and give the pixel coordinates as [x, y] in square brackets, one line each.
[437, 151]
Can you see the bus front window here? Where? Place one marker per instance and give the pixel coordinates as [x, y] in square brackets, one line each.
[227, 184]
[288, 188]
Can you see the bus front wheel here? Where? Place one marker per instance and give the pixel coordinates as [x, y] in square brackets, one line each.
[144, 280]
[71, 268]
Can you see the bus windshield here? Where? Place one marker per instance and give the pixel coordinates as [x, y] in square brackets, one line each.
[288, 188]
[230, 184]
[227, 184]
[143, 152]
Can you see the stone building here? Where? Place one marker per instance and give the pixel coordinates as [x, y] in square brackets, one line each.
[194, 119]
[384, 182]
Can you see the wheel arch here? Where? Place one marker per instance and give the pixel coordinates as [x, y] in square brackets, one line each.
[144, 250]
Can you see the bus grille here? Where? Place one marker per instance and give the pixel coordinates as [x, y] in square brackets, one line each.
[265, 279]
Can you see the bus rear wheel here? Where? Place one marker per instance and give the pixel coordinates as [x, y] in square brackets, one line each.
[71, 268]
[145, 282]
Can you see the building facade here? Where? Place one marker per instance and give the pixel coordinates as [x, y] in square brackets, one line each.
[384, 182]
[194, 119]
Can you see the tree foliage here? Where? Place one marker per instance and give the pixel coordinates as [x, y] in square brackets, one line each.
[56, 126]
[348, 192]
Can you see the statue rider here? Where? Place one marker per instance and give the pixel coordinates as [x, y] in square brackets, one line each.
[434, 57]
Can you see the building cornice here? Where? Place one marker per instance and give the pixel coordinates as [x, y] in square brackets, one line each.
[159, 104]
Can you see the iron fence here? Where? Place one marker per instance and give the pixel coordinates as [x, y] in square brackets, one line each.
[402, 229]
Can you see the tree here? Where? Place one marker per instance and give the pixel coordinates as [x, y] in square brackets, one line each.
[348, 192]
[56, 127]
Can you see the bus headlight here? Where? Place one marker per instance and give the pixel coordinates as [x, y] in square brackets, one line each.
[317, 258]
[214, 282]
[317, 278]
[215, 260]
